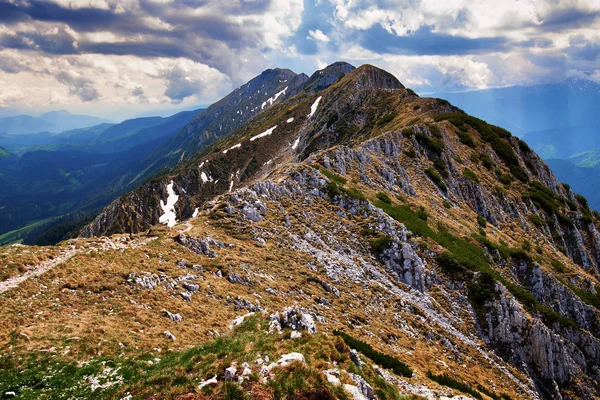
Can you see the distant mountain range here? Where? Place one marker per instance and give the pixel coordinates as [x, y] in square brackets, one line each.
[51, 122]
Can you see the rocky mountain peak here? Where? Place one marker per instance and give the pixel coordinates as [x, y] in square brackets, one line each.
[369, 76]
[327, 76]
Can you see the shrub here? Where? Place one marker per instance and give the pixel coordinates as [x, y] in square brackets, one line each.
[435, 178]
[447, 380]
[382, 359]
[407, 132]
[524, 147]
[449, 264]
[481, 221]
[435, 130]
[386, 118]
[440, 165]
[416, 107]
[410, 152]
[558, 266]
[470, 175]
[381, 244]
[433, 145]
[526, 245]
[505, 179]
[422, 214]
[467, 139]
[384, 197]
[331, 175]
[519, 173]
[447, 204]
[486, 161]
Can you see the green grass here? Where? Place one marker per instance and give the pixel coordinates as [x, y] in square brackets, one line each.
[17, 235]
[179, 372]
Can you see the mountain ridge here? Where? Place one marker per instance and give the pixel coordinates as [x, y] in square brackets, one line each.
[440, 248]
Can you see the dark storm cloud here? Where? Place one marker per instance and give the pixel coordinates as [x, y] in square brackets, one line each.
[568, 18]
[539, 42]
[583, 49]
[79, 86]
[426, 42]
[178, 87]
[193, 36]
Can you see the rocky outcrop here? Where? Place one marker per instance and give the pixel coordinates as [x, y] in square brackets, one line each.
[551, 353]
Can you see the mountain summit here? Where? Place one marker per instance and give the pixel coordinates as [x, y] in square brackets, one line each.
[349, 239]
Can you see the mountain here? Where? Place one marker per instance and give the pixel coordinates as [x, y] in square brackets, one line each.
[352, 240]
[558, 120]
[590, 158]
[77, 172]
[584, 180]
[52, 122]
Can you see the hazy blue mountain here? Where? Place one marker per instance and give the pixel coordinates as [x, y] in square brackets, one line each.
[52, 122]
[583, 180]
[34, 141]
[556, 120]
[590, 158]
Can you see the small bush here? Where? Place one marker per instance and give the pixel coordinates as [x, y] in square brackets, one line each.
[407, 132]
[526, 245]
[558, 266]
[435, 131]
[416, 107]
[410, 152]
[386, 118]
[470, 175]
[481, 221]
[467, 139]
[435, 178]
[381, 244]
[382, 359]
[433, 145]
[447, 204]
[331, 175]
[440, 165]
[384, 197]
[447, 380]
[422, 214]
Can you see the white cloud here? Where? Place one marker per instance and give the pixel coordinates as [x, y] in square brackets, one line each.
[318, 36]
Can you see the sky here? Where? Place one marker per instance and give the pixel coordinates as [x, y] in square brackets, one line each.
[117, 59]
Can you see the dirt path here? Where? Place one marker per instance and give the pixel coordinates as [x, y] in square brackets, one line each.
[103, 245]
[38, 270]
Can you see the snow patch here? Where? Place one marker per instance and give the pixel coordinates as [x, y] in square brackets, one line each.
[271, 100]
[204, 177]
[314, 106]
[169, 217]
[290, 120]
[195, 214]
[265, 133]
[268, 162]
[236, 146]
[296, 144]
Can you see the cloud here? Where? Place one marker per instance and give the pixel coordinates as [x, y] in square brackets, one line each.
[425, 42]
[318, 36]
[78, 85]
[131, 54]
